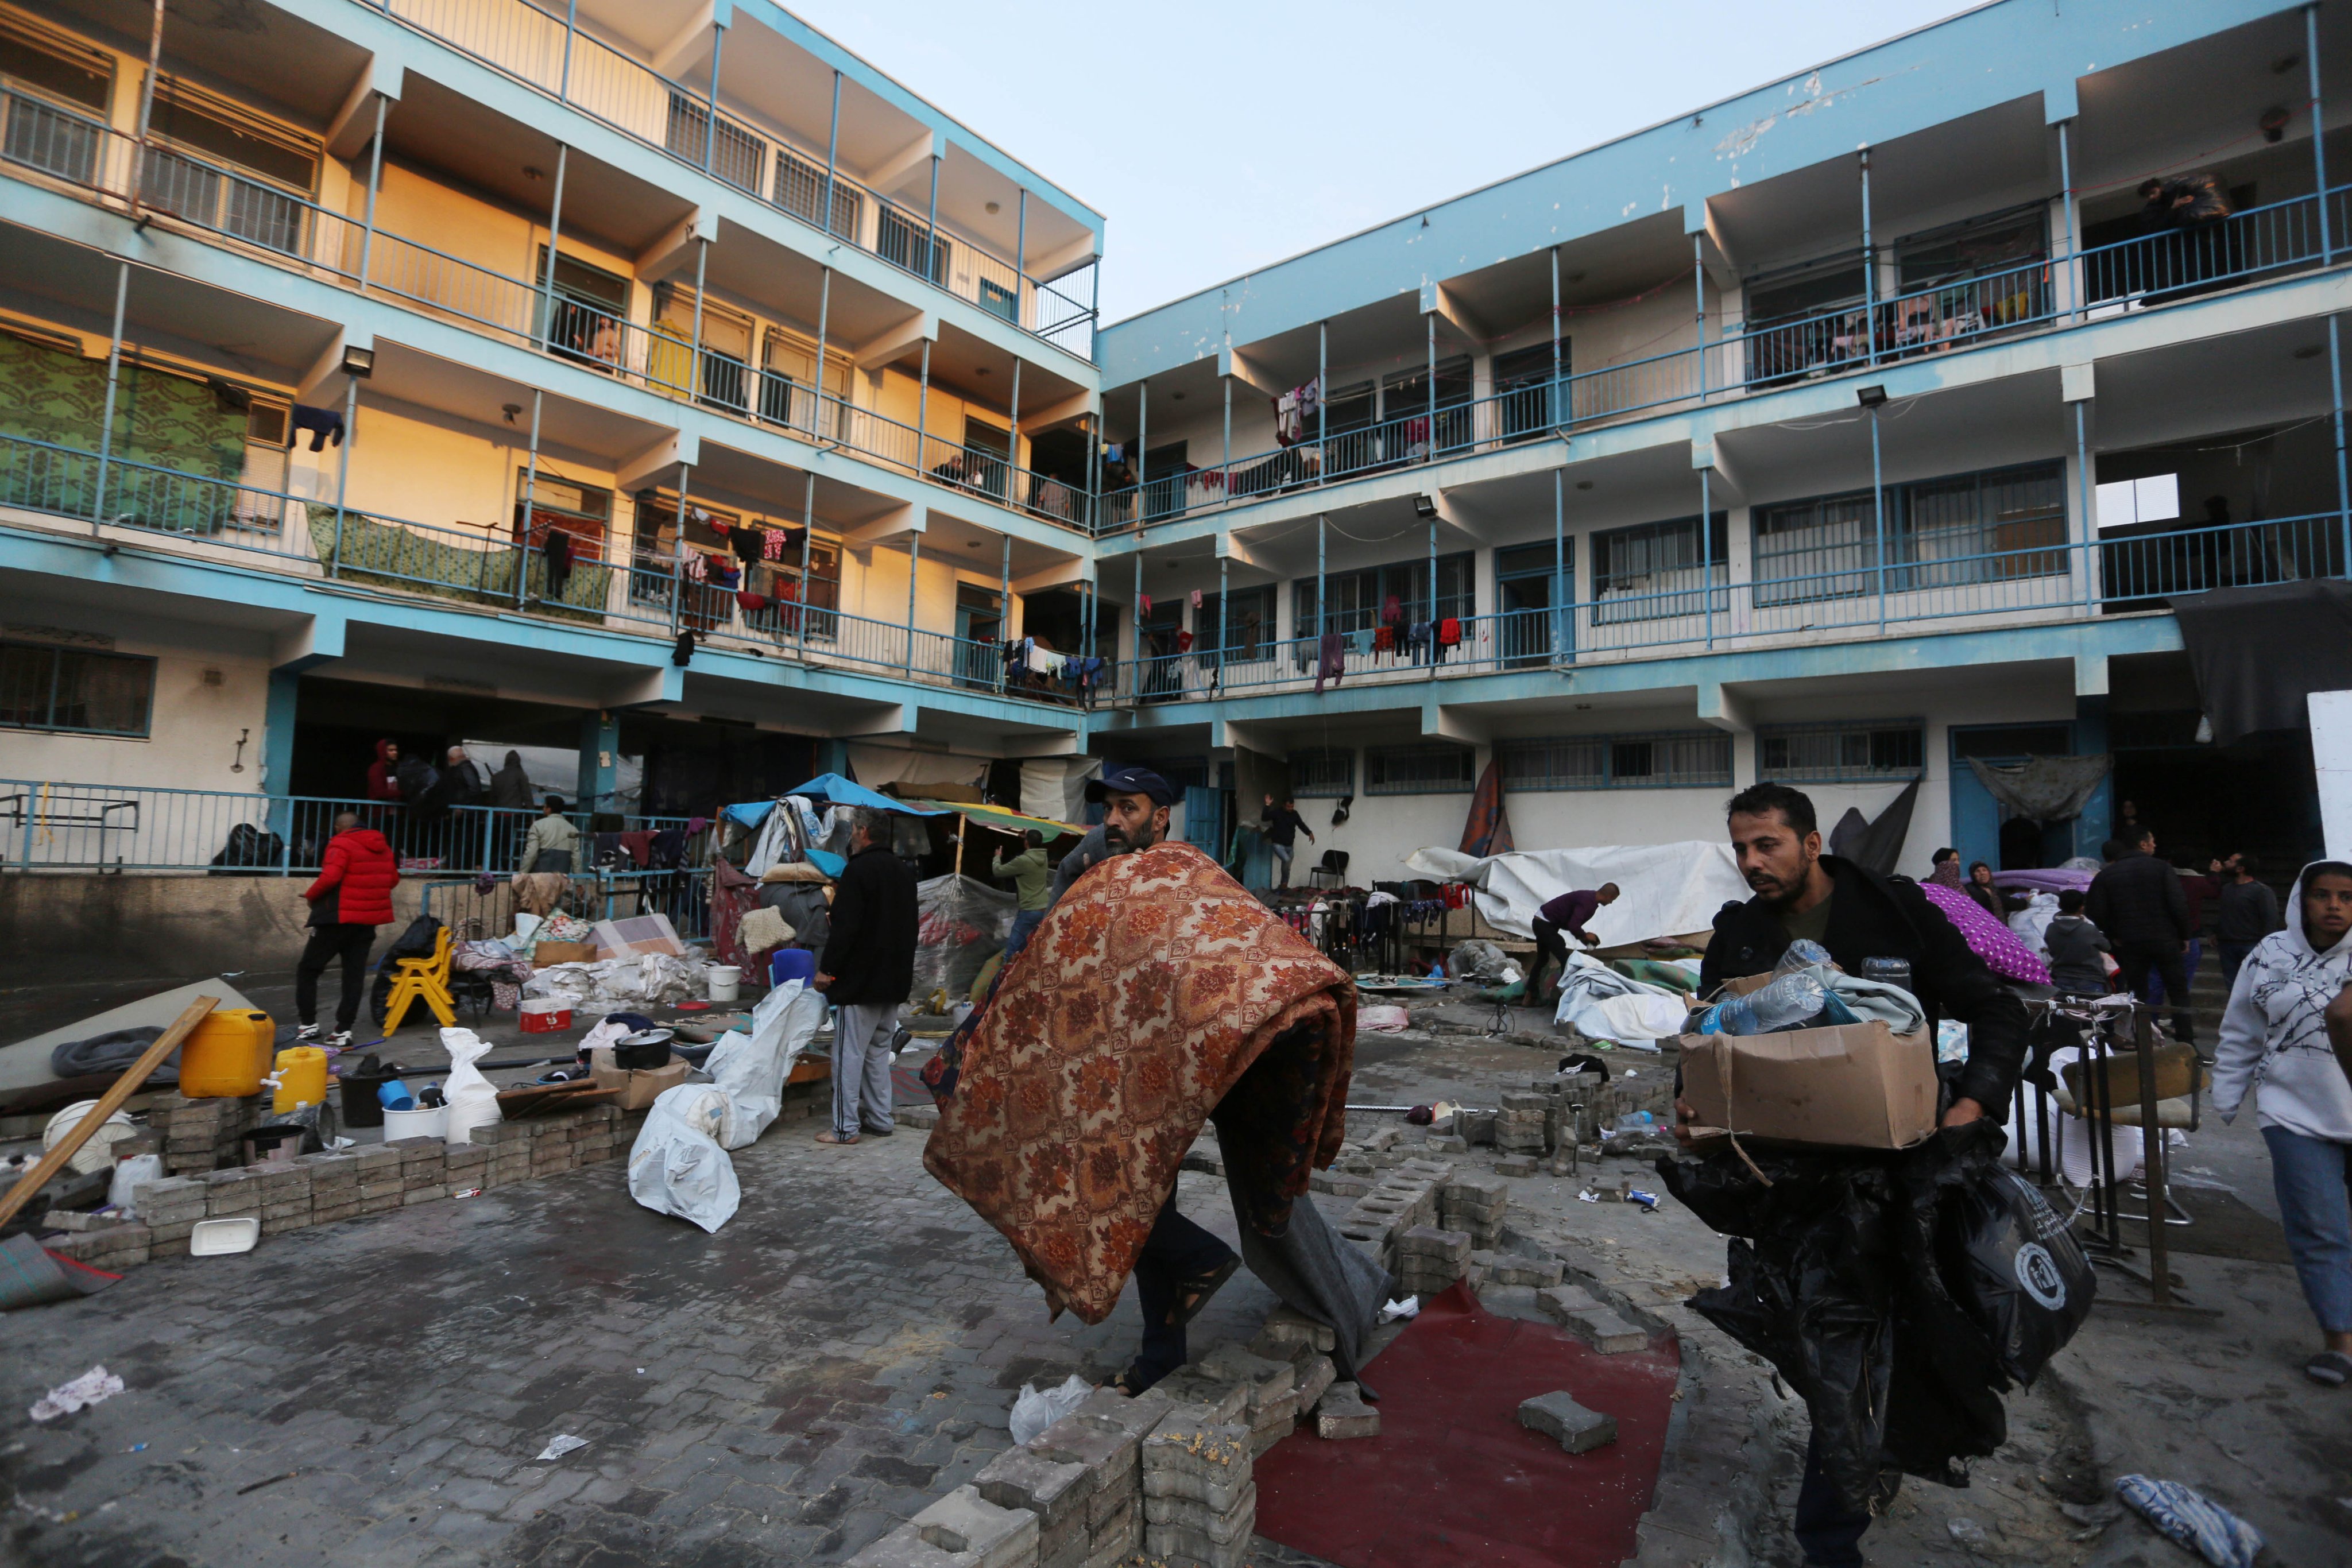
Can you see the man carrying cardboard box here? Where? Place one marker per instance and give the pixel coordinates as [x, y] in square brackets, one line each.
[1857, 915]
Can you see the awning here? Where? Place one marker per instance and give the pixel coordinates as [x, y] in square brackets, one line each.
[998, 817]
[829, 790]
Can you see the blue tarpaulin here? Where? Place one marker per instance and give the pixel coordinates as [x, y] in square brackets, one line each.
[828, 790]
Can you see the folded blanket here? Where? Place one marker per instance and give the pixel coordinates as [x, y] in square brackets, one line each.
[1153, 986]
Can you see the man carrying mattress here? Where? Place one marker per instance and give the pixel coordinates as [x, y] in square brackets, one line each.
[1157, 995]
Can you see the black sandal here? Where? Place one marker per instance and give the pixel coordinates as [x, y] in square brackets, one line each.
[1199, 1288]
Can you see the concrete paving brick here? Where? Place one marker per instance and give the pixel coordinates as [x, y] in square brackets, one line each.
[1557, 1415]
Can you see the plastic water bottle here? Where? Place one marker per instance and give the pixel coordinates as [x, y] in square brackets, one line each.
[1787, 1003]
[1888, 971]
[1802, 953]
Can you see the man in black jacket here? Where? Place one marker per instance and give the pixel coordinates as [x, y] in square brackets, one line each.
[2139, 903]
[1801, 893]
[867, 970]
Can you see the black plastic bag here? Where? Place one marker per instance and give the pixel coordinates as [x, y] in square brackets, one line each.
[2010, 1261]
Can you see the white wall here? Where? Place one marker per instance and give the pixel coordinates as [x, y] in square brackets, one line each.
[193, 724]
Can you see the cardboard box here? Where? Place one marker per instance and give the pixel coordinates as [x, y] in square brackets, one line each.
[1857, 1086]
[639, 1086]
[548, 953]
[638, 934]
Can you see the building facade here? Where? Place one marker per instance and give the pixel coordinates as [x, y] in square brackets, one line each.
[663, 386]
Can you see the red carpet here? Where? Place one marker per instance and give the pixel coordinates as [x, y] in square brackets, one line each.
[1453, 1478]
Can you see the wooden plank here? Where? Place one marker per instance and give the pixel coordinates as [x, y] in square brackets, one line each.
[134, 1078]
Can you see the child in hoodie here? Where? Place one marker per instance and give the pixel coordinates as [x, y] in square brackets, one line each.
[2276, 1038]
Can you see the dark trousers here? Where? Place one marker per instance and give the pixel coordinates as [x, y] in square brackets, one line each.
[349, 943]
[2233, 955]
[1550, 946]
[1831, 1537]
[2139, 960]
[1176, 1250]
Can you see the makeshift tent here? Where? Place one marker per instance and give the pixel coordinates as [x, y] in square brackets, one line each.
[2042, 789]
[997, 817]
[1055, 787]
[1664, 890]
[914, 771]
[825, 790]
[1489, 831]
[2259, 653]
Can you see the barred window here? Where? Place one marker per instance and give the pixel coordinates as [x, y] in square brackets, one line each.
[1325, 775]
[1437, 770]
[1839, 753]
[43, 687]
[1671, 760]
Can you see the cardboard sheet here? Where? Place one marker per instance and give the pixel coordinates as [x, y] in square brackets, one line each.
[1857, 1086]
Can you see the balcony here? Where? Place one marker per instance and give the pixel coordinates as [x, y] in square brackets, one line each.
[270, 224]
[554, 54]
[1921, 585]
[231, 523]
[2144, 273]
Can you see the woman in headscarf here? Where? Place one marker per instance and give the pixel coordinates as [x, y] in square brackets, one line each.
[1980, 887]
[1946, 862]
[2278, 1037]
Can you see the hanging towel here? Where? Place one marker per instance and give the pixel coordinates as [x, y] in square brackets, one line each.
[1330, 660]
[1360, 643]
[1384, 640]
[1449, 632]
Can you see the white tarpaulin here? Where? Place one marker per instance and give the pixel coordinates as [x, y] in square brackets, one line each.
[1664, 890]
[911, 770]
[1055, 788]
[1604, 1005]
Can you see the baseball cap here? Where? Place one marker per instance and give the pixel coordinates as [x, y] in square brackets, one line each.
[1126, 781]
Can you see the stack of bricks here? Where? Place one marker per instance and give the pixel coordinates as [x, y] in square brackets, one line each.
[550, 1145]
[510, 1146]
[285, 1196]
[1406, 1197]
[1474, 1205]
[423, 1170]
[109, 1247]
[1430, 1259]
[1199, 1496]
[1519, 1125]
[961, 1530]
[201, 1135]
[595, 1138]
[467, 1167]
[1270, 1389]
[170, 1209]
[380, 1180]
[1104, 1436]
[334, 1187]
[1491, 1268]
[1598, 1325]
[1294, 1337]
[233, 1194]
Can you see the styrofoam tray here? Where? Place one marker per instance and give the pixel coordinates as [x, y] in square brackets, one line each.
[220, 1237]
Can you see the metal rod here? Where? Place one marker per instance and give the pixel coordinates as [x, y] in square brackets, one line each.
[914, 568]
[1012, 436]
[1431, 455]
[1707, 549]
[146, 114]
[1021, 243]
[375, 184]
[1322, 612]
[1699, 286]
[923, 412]
[1878, 518]
[2335, 386]
[1225, 597]
[931, 256]
[529, 498]
[832, 151]
[1003, 606]
[570, 31]
[1322, 402]
[1869, 273]
[2083, 501]
[1142, 449]
[114, 375]
[1228, 464]
[1559, 562]
[2151, 1143]
[711, 120]
[694, 353]
[1552, 393]
[2067, 201]
[823, 321]
[554, 236]
[343, 463]
[808, 541]
[2318, 130]
[677, 551]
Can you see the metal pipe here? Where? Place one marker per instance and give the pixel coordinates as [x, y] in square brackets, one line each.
[1558, 562]
[1431, 455]
[554, 236]
[1003, 606]
[824, 315]
[375, 184]
[1136, 614]
[1225, 597]
[914, 568]
[808, 540]
[931, 256]
[2318, 128]
[1698, 285]
[1878, 516]
[1322, 607]
[832, 151]
[344, 463]
[694, 353]
[923, 413]
[113, 379]
[1020, 245]
[2091, 523]
[677, 551]
[1012, 437]
[1228, 464]
[2335, 384]
[1706, 550]
[1322, 396]
[1869, 277]
[711, 119]
[2066, 200]
[530, 496]
[146, 114]
[1552, 393]
[1142, 447]
[571, 30]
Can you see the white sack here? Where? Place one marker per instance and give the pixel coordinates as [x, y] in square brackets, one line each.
[750, 1069]
[1664, 890]
[473, 1103]
[130, 1176]
[677, 1166]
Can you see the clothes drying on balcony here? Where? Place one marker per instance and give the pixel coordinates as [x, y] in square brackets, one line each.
[324, 424]
[1295, 410]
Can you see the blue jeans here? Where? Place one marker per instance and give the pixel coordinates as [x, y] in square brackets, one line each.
[2309, 1175]
[1025, 925]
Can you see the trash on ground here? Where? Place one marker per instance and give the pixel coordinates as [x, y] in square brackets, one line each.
[561, 1446]
[1033, 1412]
[2181, 1514]
[1407, 1308]
[92, 1387]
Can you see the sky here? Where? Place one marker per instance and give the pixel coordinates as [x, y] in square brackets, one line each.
[1217, 136]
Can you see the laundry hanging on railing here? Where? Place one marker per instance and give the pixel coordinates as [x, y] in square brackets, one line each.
[324, 424]
[1295, 410]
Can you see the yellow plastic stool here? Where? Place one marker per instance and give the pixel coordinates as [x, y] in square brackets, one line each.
[422, 979]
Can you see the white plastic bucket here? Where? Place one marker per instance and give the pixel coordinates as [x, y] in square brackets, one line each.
[724, 980]
[421, 1123]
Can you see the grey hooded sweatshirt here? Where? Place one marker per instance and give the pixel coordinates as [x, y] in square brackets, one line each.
[2275, 1034]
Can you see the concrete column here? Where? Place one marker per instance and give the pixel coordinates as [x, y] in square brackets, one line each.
[278, 747]
[2094, 826]
[600, 760]
[833, 756]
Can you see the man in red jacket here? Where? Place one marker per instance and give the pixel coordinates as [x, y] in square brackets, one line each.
[352, 897]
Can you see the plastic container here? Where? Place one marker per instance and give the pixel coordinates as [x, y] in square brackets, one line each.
[431, 1123]
[363, 1098]
[724, 980]
[392, 1094]
[1784, 1004]
[95, 1154]
[546, 1015]
[221, 1238]
[227, 1055]
[301, 1077]
[790, 964]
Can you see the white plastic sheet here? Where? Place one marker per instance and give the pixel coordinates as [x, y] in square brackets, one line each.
[750, 1069]
[1664, 890]
[1604, 1005]
[473, 1101]
[677, 1166]
[1033, 1412]
[616, 985]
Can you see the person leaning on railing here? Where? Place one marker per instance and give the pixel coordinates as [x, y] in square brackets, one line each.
[552, 844]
